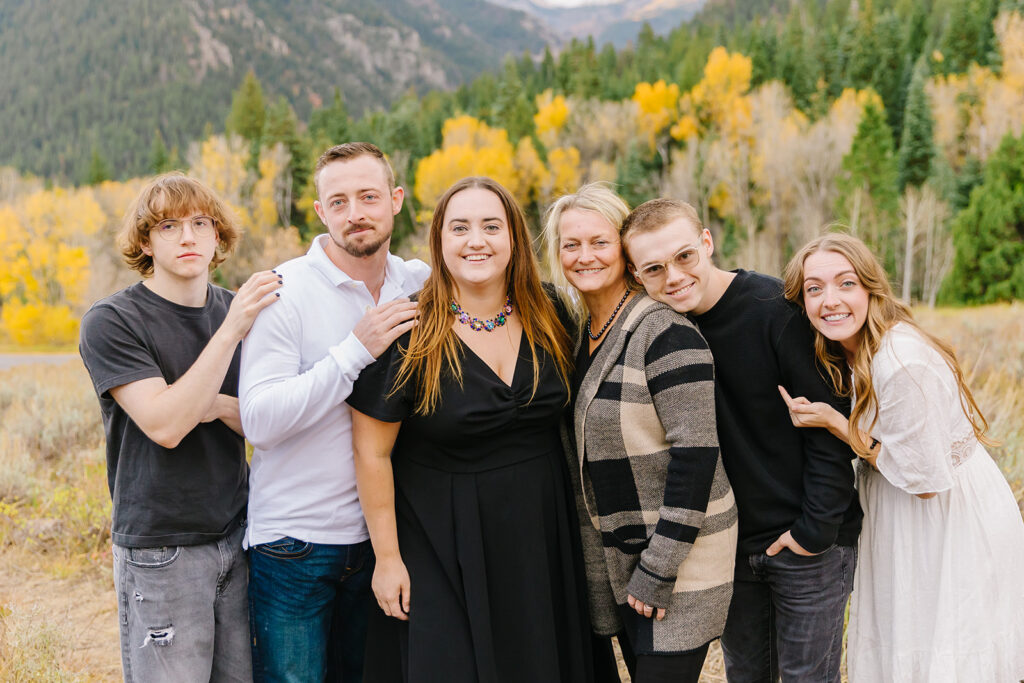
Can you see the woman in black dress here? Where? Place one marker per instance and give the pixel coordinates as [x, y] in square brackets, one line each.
[460, 470]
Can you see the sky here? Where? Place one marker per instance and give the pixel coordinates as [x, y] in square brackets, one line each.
[576, 3]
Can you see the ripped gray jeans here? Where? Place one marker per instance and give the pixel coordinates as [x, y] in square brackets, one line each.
[183, 612]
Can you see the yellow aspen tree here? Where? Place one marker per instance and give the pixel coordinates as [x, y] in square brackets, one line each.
[531, 174]
[469, 147]
[658, 107]
[565, 172]
[46, 264]
[550, 119]
[220, 163]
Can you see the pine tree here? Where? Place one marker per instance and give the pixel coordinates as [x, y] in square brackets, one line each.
[282, 127]
[248, 111]
[159, 157]
[867, 185]
[917, 145]
[989, 234]
[330, 125]
[888, 72]
[961, 43]
[99, 169]
[513, 111]
[637, 175]
[795, 67]
[863, 56]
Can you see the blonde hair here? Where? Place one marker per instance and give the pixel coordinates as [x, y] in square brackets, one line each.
[657, 213]
[173, 195]
[600, 199]
[434, 346]
[884, 311]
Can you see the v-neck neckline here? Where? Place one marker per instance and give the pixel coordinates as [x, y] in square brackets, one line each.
[515, 370]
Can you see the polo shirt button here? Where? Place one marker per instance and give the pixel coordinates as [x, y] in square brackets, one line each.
[367, 309]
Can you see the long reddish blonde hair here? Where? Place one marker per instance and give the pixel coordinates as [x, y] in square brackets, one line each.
[434, 347]
[884, 311]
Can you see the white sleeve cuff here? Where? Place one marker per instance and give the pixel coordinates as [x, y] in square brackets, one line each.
[351, 356]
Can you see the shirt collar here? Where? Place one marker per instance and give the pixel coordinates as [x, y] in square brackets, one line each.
[395, 274]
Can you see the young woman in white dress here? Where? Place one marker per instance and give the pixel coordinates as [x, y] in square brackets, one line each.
[939, 591]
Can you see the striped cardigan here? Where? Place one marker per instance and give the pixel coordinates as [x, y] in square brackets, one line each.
[649, 481]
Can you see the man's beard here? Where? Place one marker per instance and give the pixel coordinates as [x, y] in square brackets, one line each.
[362, 250]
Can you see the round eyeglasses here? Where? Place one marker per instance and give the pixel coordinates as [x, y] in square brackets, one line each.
[171, 228]
[685, 259]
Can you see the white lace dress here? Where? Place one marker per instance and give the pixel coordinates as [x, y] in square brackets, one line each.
[939, 589]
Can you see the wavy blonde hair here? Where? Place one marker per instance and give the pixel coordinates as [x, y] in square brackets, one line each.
[884, 311]
[434, 347]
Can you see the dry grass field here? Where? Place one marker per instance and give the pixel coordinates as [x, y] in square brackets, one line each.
[57, 608]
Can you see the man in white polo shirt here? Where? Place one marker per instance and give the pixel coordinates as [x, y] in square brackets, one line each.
[342, 305]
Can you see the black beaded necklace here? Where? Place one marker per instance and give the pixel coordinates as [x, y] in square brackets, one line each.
[604, 327]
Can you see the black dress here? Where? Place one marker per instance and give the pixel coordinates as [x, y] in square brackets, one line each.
[483, 528]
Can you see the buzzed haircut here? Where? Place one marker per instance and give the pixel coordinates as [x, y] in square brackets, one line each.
[348, 151]
[657, 213]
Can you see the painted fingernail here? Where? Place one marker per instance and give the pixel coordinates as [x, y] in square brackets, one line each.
[280, 282]
[277, 294]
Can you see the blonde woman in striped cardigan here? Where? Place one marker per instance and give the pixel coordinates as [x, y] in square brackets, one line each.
[658, 515]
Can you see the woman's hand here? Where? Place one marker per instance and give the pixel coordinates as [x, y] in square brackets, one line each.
[803, 413]
[391, 588]
[645, 610]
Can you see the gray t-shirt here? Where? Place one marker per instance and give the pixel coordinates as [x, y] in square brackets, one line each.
[195, 492]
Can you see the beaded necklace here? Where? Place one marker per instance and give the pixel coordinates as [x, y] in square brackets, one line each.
[604, 327]
[476, 324]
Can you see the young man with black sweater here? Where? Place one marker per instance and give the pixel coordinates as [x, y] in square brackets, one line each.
[798, 514]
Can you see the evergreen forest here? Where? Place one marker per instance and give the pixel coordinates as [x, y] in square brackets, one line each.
[898, 120]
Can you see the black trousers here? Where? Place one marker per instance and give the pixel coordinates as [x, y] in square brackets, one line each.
[678, 668]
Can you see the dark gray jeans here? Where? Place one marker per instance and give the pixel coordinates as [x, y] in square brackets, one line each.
[786, 617]
[184, 612]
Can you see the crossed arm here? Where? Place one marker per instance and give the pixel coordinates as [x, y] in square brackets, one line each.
[166, 413]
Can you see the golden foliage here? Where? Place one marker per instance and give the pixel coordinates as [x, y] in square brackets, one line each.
[718, 103]
[658, 108]
[265, 243]
[564, 166]
[469, 147]
[552, 114]
[531, 174]
[219, 162]
[44, 267]
[974, 111]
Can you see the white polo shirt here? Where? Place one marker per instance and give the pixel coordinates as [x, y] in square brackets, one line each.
[299, 362]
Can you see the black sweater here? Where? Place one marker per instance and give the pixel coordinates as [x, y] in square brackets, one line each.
[783, 477]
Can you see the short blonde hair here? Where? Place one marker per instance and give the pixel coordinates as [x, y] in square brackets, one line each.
[599, 198]
[657, 213]
[173, 195]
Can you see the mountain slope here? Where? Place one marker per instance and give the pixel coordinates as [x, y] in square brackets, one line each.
[617, 22]
[78, 75]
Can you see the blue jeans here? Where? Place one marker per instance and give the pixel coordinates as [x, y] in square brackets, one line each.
[183, 612]
[786, 616]
[309, 605]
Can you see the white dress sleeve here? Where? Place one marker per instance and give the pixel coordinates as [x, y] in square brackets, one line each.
[913, 387]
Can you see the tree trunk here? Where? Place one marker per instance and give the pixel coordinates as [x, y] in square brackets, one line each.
[912, 210]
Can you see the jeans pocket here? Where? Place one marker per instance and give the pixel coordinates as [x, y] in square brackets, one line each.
[152, 558]
[286, 548]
